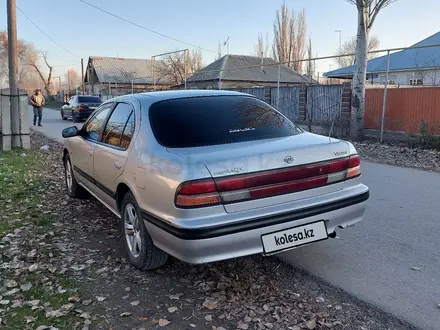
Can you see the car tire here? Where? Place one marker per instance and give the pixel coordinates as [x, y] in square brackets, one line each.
[74, 190]
[62, 115]
[141, 251]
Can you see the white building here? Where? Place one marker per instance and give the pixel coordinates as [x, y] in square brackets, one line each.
[409, 67]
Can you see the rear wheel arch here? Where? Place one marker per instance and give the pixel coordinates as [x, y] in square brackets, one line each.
[121, 190]
[65, 153]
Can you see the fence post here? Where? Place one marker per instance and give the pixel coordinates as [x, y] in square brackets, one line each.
[184, 68]
[384, 104]
[278, 86]
[131, 86]
[5, 116]
[153, 73]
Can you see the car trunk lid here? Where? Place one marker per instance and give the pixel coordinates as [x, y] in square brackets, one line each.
[91, 105]
[273, 171]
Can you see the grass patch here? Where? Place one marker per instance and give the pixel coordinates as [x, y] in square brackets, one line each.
[20, 186]
[50, 296]
[18, 319]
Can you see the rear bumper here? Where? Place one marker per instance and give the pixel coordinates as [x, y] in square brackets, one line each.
[84, 114]
[202, 245]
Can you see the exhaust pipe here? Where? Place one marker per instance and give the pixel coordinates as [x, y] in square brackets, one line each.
[332, 235]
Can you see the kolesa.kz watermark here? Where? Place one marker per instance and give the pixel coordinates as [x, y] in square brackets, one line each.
[284, 239]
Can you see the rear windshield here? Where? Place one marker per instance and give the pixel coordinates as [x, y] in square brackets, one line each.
[89, 99]
[202, 121]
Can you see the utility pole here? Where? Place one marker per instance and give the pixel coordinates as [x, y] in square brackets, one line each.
[13, 72]
[59, 82]
[92, 78]
[68, 79]
[82, 76]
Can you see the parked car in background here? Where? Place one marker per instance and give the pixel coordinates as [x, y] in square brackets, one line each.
[211, 175]
[79, 107]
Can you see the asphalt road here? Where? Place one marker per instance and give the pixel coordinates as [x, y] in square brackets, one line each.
[52, 123]
[373, 260]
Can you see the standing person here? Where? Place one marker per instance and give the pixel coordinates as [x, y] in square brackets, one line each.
[38, 101]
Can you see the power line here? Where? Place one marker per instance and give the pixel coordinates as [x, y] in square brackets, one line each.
[145, 28]
[56, 43]
[53, 66]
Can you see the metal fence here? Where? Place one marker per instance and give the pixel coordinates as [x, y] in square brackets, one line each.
[287, 101]
[324, 102]
[321, 97]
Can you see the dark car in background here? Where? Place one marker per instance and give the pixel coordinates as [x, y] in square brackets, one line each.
[79, 107]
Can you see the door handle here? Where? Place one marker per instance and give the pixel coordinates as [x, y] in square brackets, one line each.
[118, 165]
[90, 152]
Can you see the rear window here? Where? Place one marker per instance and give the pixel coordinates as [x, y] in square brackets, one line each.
[202, 121]
[89, 99]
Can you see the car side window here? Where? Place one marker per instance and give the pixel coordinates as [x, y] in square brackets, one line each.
[127, 135]
[93, 127]
[117, 126]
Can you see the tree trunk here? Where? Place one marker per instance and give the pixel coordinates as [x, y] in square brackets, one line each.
[358, 95]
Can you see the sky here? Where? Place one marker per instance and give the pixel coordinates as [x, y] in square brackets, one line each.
[85, 31]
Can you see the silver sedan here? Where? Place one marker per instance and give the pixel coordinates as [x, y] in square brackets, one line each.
[211, 175]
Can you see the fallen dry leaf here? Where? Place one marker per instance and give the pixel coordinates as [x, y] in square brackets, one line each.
[163, 322]
[11, 284]
[311, 324]
[210, 304]
[172, 309]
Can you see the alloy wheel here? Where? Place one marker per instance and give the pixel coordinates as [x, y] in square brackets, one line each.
[132, 230]
[69, 176]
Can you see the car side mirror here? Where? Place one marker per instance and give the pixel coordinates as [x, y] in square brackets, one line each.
[70, 132]
[66, 103]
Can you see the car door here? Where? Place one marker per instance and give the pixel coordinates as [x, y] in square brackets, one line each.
[82, 147]
[113, 149]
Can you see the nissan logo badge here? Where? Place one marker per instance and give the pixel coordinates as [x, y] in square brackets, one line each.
[288, 159]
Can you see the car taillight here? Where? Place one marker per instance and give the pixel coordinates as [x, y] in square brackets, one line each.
[239, 188]
[82, 107]
[354, 168]
[197, 194]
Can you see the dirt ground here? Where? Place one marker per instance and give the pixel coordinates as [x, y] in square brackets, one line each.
[83, 248]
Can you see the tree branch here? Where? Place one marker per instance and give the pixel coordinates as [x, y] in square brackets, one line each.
[377, 8]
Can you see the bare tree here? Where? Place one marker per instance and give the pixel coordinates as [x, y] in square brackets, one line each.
[195, 60]
[310, 63]
[289, 37]
[27, 78]
[45, 78]
[174, 66]
[262, 46]
[367, 13]
[72, 78]
[429, 71]
[349, 47]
